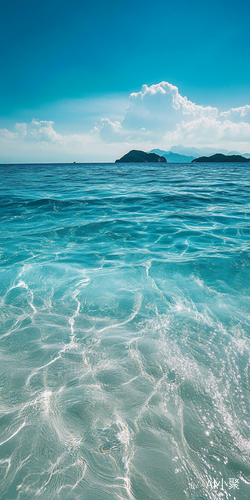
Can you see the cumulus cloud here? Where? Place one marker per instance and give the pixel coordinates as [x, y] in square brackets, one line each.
[165, 97]
[237, 115]
[156, 116]
[21, 129]
[208, 131]
[38, 141]
[109, 131]
[112, 132]
[6, 134]
[159, 108]
[41, 131]
[160, 115]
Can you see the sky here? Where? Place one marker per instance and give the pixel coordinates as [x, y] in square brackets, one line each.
[88, 81]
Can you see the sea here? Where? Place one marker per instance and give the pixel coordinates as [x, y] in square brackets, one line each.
[125, 332]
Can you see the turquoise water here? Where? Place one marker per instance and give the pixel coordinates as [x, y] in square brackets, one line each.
[125, 332]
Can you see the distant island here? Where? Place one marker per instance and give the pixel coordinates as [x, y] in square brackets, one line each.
[220, 158]
[158, 155]
[136, 156]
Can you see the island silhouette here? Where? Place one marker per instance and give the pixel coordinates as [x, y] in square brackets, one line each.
[137, 156]
[220, 158]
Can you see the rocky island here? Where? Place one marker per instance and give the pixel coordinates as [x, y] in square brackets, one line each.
[220, 158]
[136, 156]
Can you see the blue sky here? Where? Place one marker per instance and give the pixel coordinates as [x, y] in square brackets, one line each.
[76, 62]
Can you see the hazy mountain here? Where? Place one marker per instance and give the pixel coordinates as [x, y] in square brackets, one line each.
[173, 157]
[182, 154]
[196, 152]
[182, 150]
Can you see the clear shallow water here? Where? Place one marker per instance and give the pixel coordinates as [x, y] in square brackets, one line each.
[125, 332]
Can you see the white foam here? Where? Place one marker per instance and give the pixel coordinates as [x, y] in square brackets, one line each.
[14, 434]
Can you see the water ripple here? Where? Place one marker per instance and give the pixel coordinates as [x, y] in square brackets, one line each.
[125, 332]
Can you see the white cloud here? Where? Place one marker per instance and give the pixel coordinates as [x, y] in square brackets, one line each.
[38, 141]
[112, 132]
[6, 134]
[237, 115]
[21, 129]
[109, 131]
[160, 108]
[160, 115]
[210, 131]
[43, 131]
[157, 116]
[166, 94]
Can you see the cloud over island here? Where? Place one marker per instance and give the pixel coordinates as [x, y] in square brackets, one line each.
[161, 113]
[157, 116]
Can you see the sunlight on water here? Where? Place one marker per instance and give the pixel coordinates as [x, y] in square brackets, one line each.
[124, 341]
